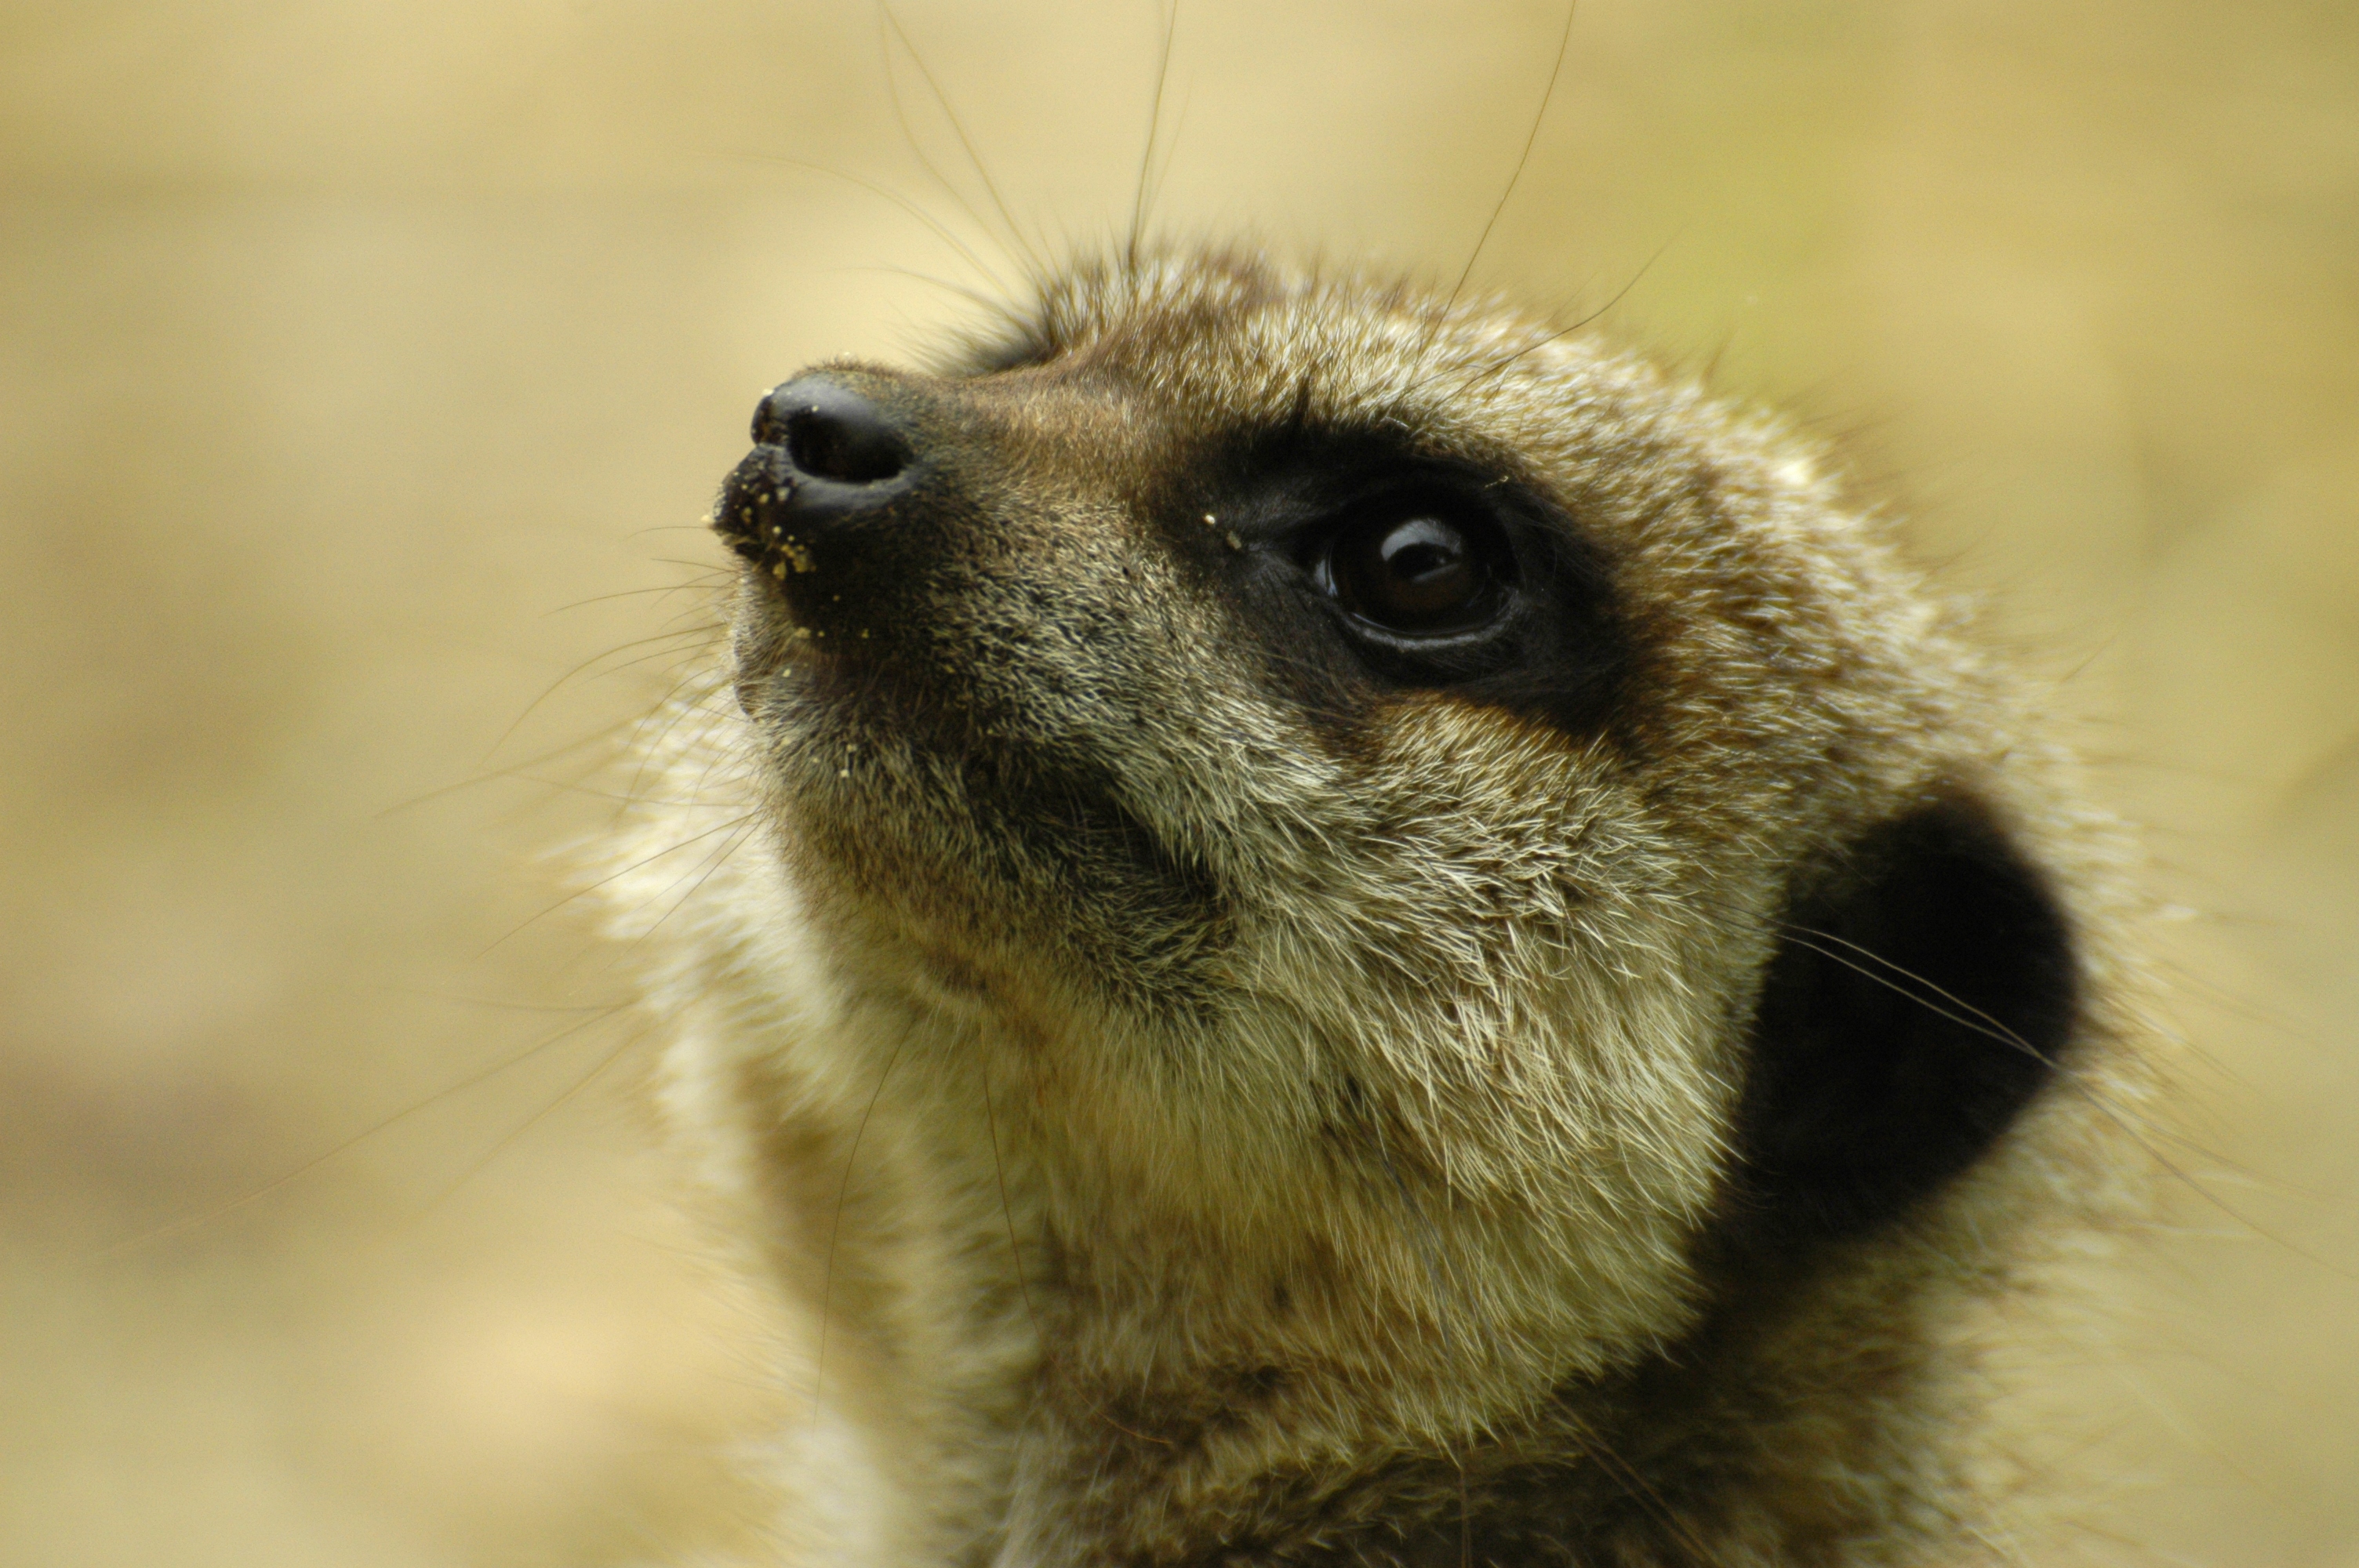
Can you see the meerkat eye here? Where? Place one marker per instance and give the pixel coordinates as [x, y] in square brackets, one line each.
[1422, 574]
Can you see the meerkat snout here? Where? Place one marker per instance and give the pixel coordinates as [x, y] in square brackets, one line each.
[1371, 932]
[826, 465]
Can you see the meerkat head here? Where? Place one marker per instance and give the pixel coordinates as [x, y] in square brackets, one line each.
[1461, 856]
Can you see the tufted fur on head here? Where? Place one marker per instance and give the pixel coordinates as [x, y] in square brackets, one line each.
[1246, 1072]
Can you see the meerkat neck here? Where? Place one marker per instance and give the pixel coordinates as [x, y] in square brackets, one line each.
[1065, 1333]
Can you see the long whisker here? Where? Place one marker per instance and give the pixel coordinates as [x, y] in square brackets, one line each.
[1437, 320]
[1531, 138]
[208, 1216]
[1006, 1211]
[1430, 1242]
[1493, 369]
[835, 1228]
[507, 1140]
[583, 668]
[1138, 205]
[645, 860]
[990, 304]
[941, 230]
[1992, 1029]
[957, 128]
[657, 589]
[1633, 1485]
[712, 863]
[597, 736]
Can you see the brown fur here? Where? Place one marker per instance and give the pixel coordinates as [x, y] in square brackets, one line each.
[1231, 1105]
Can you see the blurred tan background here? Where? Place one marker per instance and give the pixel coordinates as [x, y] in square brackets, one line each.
[361, 361]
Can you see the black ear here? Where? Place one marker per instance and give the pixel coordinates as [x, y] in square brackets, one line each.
[1922, 991]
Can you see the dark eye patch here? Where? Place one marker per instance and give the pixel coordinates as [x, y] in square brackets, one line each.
[1367, 569]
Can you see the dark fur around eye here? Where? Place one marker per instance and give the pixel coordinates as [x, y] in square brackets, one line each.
[1365, 570]
[1923, 991]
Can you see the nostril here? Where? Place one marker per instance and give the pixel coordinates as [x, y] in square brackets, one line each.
[832, 432]
[833, 443]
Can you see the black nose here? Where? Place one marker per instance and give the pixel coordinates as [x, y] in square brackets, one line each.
[830, 432]
[828, 464]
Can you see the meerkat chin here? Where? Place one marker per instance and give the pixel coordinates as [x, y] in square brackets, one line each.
[1372, 933]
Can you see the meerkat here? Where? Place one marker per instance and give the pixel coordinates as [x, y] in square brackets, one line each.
[1359, 929]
